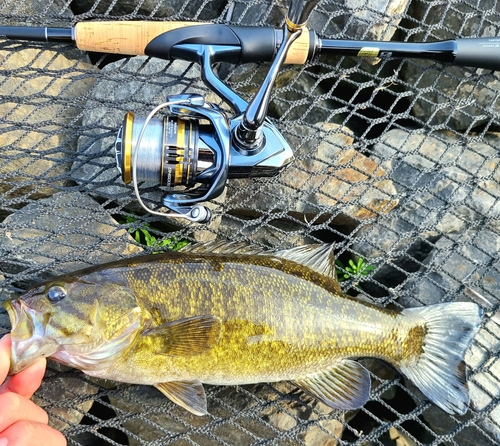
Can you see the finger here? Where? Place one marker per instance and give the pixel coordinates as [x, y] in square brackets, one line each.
[29, 433]
[14, 408]
[25, 383]
[4, 357]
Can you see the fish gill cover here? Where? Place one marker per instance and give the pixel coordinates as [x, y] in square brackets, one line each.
[396, 163]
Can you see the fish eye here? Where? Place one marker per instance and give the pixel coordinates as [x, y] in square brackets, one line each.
[56, 293]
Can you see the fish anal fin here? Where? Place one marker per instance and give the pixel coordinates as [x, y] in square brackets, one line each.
[188, 336]
[344, 386]
[188, 394]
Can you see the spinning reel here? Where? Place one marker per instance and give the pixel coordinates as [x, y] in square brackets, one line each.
[196, 147]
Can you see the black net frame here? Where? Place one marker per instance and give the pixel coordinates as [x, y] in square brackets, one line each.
[396, 162]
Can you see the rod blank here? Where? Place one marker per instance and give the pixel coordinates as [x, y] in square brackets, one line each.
[36, 34]
[477, 53]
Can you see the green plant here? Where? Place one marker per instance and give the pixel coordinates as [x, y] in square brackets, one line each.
[353, 270]
[144, 237]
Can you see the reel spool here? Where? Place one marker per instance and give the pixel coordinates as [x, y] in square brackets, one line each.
[173, 151]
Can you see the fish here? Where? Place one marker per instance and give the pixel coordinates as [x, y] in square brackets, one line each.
[227, 314]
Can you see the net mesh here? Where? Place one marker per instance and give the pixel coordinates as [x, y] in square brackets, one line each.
[396, 162]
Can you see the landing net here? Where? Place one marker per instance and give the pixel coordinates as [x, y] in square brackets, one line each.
[397, 163]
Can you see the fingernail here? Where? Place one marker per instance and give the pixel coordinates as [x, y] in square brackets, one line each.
[4, 442]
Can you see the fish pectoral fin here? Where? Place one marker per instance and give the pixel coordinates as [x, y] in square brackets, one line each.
[345, 386]
[188, 394]
[187, 337]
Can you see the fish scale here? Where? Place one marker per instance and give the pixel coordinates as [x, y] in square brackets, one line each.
[217, 316]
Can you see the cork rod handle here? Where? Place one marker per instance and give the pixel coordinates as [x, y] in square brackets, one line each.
[128, 38]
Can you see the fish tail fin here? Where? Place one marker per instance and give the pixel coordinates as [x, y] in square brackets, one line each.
[439, 371]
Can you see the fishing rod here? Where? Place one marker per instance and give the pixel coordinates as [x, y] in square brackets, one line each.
[252, 43]
[196, 148]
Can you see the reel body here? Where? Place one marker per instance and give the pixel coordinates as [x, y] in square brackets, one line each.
[190, 149]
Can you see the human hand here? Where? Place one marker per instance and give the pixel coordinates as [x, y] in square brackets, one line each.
[22, 422]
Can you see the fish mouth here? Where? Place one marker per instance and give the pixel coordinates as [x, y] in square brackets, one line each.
[27, 336]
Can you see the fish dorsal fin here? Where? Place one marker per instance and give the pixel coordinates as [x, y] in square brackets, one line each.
[188, 394]
[222, 247]
[320, 258]
[345, 386]
[188, 336]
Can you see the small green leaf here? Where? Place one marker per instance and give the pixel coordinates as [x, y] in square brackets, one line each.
[367, 270]
[360, 264]
[163, 243]
[148, 239]
[180, 244]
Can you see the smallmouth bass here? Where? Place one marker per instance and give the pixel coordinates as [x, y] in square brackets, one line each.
[225, 315]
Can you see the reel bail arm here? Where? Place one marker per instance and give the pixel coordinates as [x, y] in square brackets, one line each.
[248, 135]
